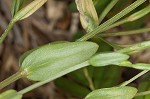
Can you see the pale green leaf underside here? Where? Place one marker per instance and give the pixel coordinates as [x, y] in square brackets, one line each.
[141, 66]
[113, 93]
[104, 59]
[53, 58]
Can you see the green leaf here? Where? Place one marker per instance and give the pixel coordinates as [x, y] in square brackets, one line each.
[105, 59]
[25, 55]
[28, 10]
[107, 10]
[15, 6]
[140, 12]
[10, 94]
[135, 48]
[30, 51]
[113, 93]
[141, 66]
[51, 59]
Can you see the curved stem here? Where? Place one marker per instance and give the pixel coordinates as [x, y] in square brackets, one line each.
[3, 36]
[134, 78]
[11, 79]
[143, 93]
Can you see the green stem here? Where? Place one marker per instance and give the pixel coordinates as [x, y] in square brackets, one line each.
[11, 79]
[143, 93]
[126, 32]
[107, 9]
[105, 25]
[38, 84]
[118, 23]
[86, 73]
[11, 24]
[134, 78]
[135, 48]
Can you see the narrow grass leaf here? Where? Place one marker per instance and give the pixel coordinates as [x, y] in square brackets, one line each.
[139, 14]
[107, 9]
[16, 6]
[28, 10]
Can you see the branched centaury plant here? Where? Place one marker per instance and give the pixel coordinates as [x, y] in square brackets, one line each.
[56, 59]
[20, 14]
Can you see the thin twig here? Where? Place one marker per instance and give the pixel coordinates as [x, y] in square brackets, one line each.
[143, 93]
